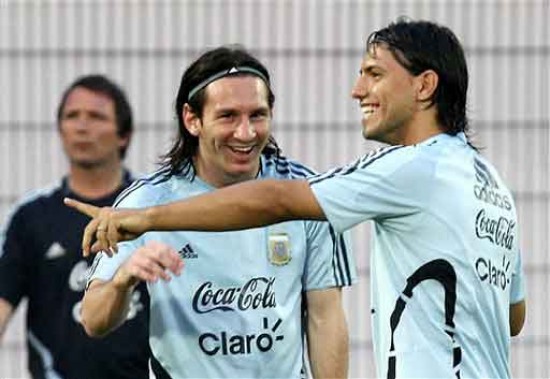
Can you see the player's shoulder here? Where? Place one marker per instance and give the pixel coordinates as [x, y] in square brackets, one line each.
[282, 167]
[423, 156]
[387, 154]
[384, 160]
[485, 172]
[36, 198]
[34, 203]
[145, 190]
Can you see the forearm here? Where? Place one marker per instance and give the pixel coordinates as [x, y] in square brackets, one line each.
[329, 351]
[328, 343]
[104, 307]
[252, 204]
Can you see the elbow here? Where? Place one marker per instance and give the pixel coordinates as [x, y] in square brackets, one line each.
[517, 318]
[93, 326]
[516, 328]
[91, 332]
[515, 332]
[93, 329]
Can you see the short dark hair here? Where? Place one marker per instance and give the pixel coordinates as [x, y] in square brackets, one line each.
[423, 45]
[180, 157]
[101, 84]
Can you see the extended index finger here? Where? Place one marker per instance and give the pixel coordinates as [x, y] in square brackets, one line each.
[87, 209]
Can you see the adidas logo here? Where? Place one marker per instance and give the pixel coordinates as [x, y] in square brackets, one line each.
[55, 251]
[187, 252]
[483, 175]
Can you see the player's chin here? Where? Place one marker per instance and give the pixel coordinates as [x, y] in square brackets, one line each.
[85, 162]
[366, 131]
[373, 131]
[243, 170]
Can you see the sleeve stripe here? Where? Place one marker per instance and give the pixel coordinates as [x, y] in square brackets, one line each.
[285, 166]
[337, 270]
[156, 178]
[341, 271]
[295, 166]
[360, 163]
[294, 171]
[344, 252]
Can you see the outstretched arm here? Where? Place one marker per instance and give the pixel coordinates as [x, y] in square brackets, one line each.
[242, 206]
[246, 205]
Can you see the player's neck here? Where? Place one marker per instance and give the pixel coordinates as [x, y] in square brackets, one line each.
[95, 182]
[422, 127]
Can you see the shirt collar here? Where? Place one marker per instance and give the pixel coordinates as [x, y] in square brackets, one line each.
[460, 137]
[67, 192]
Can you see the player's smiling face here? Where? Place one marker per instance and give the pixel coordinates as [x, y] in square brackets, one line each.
[233, 130]
[385, 91]
[88, 129]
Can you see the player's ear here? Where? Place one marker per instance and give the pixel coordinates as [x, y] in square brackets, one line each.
[426, 84]
[191, 120]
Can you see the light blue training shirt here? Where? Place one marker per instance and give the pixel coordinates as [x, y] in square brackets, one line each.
[237, 309]
[445, 261]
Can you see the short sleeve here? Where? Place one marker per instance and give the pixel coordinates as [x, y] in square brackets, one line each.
[383, 184]
[517, 289]
[329, 258]
[15, 260]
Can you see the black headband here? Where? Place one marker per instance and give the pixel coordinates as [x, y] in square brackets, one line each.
[232, 71]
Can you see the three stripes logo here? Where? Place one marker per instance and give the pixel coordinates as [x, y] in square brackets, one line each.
[483, 175]
[487, 189]
[187, 252]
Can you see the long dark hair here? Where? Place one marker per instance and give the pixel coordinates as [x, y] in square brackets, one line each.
[179, 159]
[422, 45]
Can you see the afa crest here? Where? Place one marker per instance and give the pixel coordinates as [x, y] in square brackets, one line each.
[279, 249]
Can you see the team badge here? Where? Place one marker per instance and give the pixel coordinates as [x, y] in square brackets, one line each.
[279, 249]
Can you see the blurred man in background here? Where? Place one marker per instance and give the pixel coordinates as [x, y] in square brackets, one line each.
[40, 256]
[247, 300]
